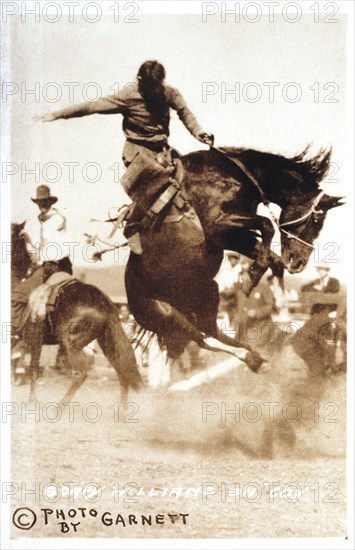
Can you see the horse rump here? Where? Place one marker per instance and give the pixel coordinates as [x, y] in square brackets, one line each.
[95, 317]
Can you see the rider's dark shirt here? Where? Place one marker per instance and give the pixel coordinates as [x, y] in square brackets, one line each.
[138, 123]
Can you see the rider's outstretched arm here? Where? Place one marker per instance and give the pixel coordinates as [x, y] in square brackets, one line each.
[106, 106]
[178, 103]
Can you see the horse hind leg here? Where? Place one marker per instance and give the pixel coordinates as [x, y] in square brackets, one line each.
[168, 323]
[216, 339]
[176, 330]
[79, 362]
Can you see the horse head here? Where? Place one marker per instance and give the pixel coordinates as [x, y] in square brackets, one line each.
[304, 204]
[300, 225]
[20, 258]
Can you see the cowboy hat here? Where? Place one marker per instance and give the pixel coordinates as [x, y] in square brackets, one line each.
[322, 265]
[43, 194]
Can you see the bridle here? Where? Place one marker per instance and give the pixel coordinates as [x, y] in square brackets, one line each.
[293, 223]
[298, 221]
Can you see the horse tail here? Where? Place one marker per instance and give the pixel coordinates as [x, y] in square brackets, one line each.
[118, 350]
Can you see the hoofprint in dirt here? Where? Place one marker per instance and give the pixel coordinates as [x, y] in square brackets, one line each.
[233, 457]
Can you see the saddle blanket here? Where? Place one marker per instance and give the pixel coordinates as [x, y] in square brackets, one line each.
[46, 294]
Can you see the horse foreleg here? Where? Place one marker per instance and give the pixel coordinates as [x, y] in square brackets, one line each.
[262, 254]
[277, 266]
[260, 266]
[235, 229]
[228, 221]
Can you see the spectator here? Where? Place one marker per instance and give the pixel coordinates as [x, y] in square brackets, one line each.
[280, 312]
[318, 339]
[43, 233]
[131, 330]
[323, 285]
[227, 278]
[47, 230]
[129, 324]
[254, 312]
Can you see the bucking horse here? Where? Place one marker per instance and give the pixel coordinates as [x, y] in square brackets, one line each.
[171, 288]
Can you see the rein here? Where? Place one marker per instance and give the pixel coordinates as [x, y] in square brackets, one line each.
[266, 201]
[93, 239]
[305, 218]
[97, 256]
[247, 172]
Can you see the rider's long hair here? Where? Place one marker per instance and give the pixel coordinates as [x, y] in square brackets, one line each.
[151, 77]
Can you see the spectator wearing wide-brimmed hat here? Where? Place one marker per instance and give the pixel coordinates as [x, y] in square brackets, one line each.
[44, 197]
[46, 235]
[324, 284]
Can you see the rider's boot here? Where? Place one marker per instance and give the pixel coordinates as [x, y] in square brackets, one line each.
[133, 228]
[141, 220]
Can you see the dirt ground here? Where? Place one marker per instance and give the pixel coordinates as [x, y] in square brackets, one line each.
[275, 467]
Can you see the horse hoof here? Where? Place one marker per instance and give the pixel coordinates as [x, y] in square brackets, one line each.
[278, 271]
[254, 361]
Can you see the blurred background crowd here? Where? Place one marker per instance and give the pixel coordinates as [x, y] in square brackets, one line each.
[272, 309]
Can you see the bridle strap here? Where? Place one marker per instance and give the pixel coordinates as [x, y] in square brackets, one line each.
[298, 221]
[245, 170]
[295, 238]
[303, 218]
[265, 200]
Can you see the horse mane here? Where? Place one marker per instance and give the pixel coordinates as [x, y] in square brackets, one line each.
[309, 170]
[300, 173]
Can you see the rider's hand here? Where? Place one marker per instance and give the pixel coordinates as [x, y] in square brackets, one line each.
[206, 138]
[49, 117]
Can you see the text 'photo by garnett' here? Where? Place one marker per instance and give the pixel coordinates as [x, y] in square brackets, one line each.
[177, 274]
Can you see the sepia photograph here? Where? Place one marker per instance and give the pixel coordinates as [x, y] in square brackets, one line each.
[177, 274]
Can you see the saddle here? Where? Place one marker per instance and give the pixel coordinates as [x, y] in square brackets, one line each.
[43, 299]
[168, 205]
